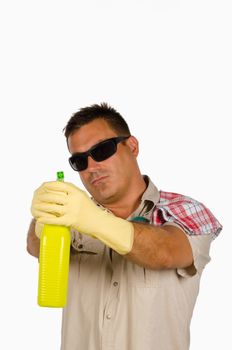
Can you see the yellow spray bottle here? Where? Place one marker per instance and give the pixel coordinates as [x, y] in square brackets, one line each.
[54, 263]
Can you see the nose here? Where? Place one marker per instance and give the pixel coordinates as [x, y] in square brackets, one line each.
[92, 164]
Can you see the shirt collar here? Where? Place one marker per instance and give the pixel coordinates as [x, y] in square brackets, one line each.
[148, 201]
[151, 193]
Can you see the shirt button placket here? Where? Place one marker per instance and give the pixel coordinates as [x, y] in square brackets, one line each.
[111, 307]
[109, 313]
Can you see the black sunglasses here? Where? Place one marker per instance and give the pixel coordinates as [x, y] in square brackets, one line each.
[99, 152]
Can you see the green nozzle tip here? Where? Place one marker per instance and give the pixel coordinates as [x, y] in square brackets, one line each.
[60, 175]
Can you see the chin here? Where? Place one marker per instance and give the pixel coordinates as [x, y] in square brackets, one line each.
[104, 197]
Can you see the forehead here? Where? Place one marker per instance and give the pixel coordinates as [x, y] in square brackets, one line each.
[90, 134]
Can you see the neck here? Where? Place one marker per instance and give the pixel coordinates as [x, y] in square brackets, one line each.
[125, 206]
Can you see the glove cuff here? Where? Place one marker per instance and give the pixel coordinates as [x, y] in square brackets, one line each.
[115, 232]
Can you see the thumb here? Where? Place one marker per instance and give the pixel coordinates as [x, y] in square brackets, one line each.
[38, 228]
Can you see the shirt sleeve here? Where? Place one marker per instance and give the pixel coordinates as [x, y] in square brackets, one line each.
[192, 216]
[200, 248]
[197, 221]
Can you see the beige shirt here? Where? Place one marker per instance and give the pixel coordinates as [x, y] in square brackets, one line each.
[114, 304]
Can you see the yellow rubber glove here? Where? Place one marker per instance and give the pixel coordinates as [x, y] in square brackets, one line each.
[38, 228]
[62, 203]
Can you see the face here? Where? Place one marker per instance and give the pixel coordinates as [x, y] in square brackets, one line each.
[107, 181]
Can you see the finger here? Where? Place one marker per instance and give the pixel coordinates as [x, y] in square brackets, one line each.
[49, 197]
[54, 209]
[52, 220]
[38, 213]
[62, 186]
[38, 228]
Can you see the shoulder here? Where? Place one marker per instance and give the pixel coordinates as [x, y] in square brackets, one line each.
[193, 216]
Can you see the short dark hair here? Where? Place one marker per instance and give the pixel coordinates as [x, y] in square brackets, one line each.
[97, 111]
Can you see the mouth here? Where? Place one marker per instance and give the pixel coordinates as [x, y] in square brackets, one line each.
[98, 180]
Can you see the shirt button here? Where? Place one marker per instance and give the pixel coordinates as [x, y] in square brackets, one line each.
[80, 246]
[108, 316]
[115, 284]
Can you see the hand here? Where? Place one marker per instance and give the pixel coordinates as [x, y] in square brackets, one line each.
[62, 203]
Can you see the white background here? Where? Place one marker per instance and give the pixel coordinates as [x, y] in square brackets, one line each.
[166, 67]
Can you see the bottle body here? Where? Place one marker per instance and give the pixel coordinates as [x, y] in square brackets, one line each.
[53, 266]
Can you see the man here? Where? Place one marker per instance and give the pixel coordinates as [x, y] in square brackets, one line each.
[137, 253]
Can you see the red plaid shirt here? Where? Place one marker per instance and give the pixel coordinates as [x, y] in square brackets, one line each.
[188, 213]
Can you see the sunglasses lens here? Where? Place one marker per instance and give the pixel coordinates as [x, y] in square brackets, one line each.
[104, 151]
[78, 163]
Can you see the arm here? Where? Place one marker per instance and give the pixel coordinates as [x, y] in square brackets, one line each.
[60, 203]
[160, 247]
[33, 242]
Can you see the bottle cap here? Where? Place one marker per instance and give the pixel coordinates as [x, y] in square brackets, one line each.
[60, 176]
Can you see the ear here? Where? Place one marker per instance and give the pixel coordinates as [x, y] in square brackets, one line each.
[133, 144]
